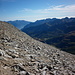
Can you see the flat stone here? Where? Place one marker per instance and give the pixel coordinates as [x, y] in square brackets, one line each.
[56, 68]
[22, 73]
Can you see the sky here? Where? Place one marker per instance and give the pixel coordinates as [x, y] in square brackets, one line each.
[32, 10]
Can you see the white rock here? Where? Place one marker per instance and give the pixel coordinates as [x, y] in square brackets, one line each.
[56, 68]
[44, 73]
[22, 73]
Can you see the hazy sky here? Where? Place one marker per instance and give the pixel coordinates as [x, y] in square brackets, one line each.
[32, 10]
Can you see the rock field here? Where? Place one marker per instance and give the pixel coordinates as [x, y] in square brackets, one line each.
[22, 55]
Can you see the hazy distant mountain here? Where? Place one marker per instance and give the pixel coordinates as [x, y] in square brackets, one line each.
[57, 32]
[19, 23]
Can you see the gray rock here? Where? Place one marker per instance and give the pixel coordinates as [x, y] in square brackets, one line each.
[45, 68]
[1, 58]
[2, 53]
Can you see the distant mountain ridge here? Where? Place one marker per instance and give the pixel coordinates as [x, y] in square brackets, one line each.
[57, 32]
[39, 22]
[19, 23]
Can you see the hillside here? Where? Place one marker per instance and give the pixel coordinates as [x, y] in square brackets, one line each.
[19, 23]
[39, 22]
[22, 55]
[56, 32]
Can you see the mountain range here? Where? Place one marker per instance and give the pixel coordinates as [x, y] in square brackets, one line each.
[19, 23]
[57, 32]
[39, 22]
[22, 55]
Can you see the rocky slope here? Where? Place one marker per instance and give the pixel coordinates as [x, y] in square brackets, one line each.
[22, 55]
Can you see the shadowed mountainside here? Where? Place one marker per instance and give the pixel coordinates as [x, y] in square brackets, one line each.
[56, 32]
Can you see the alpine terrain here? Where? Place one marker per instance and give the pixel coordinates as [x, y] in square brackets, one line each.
[22, 55]
[56, 32]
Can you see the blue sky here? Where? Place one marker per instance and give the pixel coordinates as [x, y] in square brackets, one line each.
[32, 10]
